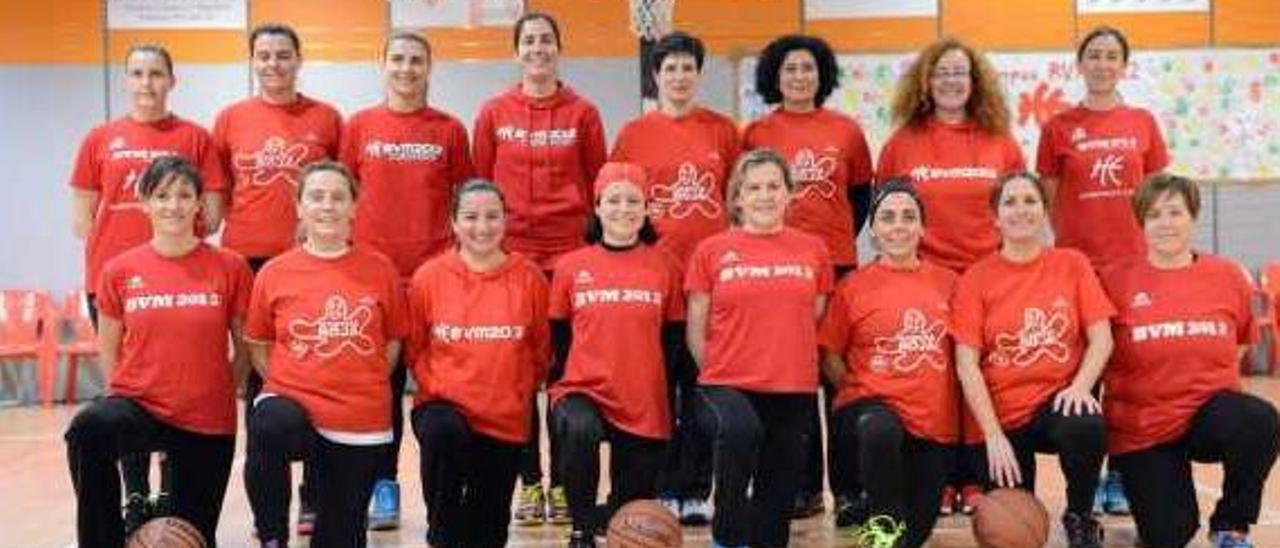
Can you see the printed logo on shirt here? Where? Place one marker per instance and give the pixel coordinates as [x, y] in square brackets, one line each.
[1179, 330]
[918, 343]
[729, 257]
[1140, 300]
[691, 192]
[589, 297]
[540, 138]
[403, 152]
[338, 328]
[277, 162]
[1106, 170]
[448, 333]
[134, 283]
[1078, 135]
[813, 173]
[924, 174]
[118, 151]
[758, 272]
[158, 301]
[1040, 337]
[583, 277]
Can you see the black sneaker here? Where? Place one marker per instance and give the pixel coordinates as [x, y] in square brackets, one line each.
[851, 512]
[1082, 530]
[137, 510]
[581, 539]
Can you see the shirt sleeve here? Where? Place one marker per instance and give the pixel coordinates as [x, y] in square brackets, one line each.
[594, 150]
[1046, 151]
[859, 162]
[886, 165]
[335, 133]
[967, 311]
[1247, 329]
[87, 174]
[241, 286]
[675, 292]
[483, 146]
[260, 323]
[1094, 304]
[419, 306]
[826, 272]
[1013, 155]
[541, 329]
[698, 277]
[558, 303]
[396, 322]
[349, 149]
[1157, 156]
[833, 333]
[107, 296]
[208, 162]
[460, 167]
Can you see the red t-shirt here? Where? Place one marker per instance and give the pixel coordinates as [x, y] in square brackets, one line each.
[617, 302]
[1099, 159]
[761, 331]
[954, 167]
[1177, 339]
[111, 162]
[1028, 320]
[480, 340]
[176, 313]
[828, 154]
[688, 160]
[544, 154]
[408, 165]
[329, 321]
[890, 326]
[264, 147]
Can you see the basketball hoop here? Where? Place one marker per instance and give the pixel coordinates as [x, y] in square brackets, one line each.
[650, 19]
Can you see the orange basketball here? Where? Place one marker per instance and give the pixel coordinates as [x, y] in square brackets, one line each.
[1010, 518]
[166, 532]
[644, 524]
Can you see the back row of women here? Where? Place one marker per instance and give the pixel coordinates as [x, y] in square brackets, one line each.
[700, 301]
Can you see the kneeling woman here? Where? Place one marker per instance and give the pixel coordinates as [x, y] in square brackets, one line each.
[888, 354]
[617, 310]
[479, 349]
[1173, 391]
[1032, 336]
[324, 329]
[166, 308]
[756, 293]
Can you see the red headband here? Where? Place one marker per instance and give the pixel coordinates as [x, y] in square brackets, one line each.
[615, 172]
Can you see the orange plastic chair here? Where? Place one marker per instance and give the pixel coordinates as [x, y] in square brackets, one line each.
[1269, 285]
[83, 340]
[27, 336]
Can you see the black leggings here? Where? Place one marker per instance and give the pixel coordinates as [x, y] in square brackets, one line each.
[903, 475]
[686, 467]
[281, 432]
[634, 461]
[467, 479]
[759, 441]
[1080, 441]
[115, 426]
[1237, 429]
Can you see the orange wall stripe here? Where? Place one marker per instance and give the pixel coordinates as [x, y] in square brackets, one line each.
[736, 27]
[1009, 24]
[888, 34]
[592, 29]
[51, 31]
[473, 43]
[186, 46]
[1153, 30]
[1246, 22]
[331, 30]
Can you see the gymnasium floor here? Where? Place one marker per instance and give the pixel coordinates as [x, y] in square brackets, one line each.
[37, 506]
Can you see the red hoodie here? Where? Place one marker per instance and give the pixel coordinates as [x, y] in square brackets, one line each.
[543, 153]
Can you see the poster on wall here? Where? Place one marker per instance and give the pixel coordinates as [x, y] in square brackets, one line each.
[176, 14]
[454, 13]
[1141, 6]
[1217, 107]
[868, 9]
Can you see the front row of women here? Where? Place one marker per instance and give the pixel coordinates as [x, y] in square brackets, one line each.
[1032, 328]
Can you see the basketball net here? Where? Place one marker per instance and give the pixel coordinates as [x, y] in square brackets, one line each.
[650, 19]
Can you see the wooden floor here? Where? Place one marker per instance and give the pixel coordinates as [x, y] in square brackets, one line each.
[37, 506]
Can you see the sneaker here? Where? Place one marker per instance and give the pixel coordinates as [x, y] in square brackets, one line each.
[384, 506]
[946, 506]
[1082, 531]
[581, 539]
[1230, 539]
[558, 507]
[851, 512]
[1114, 502]
[306, 520]
[531, 509]
[137, 511]
[1100, 497]
[969, 496]
[671, 504]
[695, 512]
[807, 505]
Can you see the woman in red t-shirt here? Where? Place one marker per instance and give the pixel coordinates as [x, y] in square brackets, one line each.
[755, 294]
[604, 388]
[1032, 336]
[479, 348]
[887, 351]
[324, 328]
[167, 307]
[1173, 393]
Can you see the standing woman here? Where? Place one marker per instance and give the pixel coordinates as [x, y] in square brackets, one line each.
[755, 294]
[1185, 319]
[324, 330]
[409, 158]
[887, 351]
[542, 144]
[1032, 337]
[480, 347]
[167, 308]
[107, 211]
[831, 164]
[606, 388]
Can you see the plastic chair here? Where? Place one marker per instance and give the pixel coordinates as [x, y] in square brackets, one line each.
[82, 342]
[27, 337]
[1269, 287]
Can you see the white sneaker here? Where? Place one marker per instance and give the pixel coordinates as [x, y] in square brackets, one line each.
[695, 512]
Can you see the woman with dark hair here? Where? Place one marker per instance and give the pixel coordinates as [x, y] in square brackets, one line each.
[409, 158]
[167, 308]
[1173, 393]
[886, 349]
[1032, 337]
[542, 144]
[325, 329]
[829, 158]
[603, 387]
[755, 294]
[479, 348]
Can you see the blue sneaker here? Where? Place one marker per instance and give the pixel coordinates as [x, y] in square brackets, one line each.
[1229, 539]
[384, 507]
[1100, 497]
[1114, 501]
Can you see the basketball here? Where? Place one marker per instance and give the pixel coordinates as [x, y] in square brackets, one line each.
[166, 532]
[644, 524]
[1010, 518]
